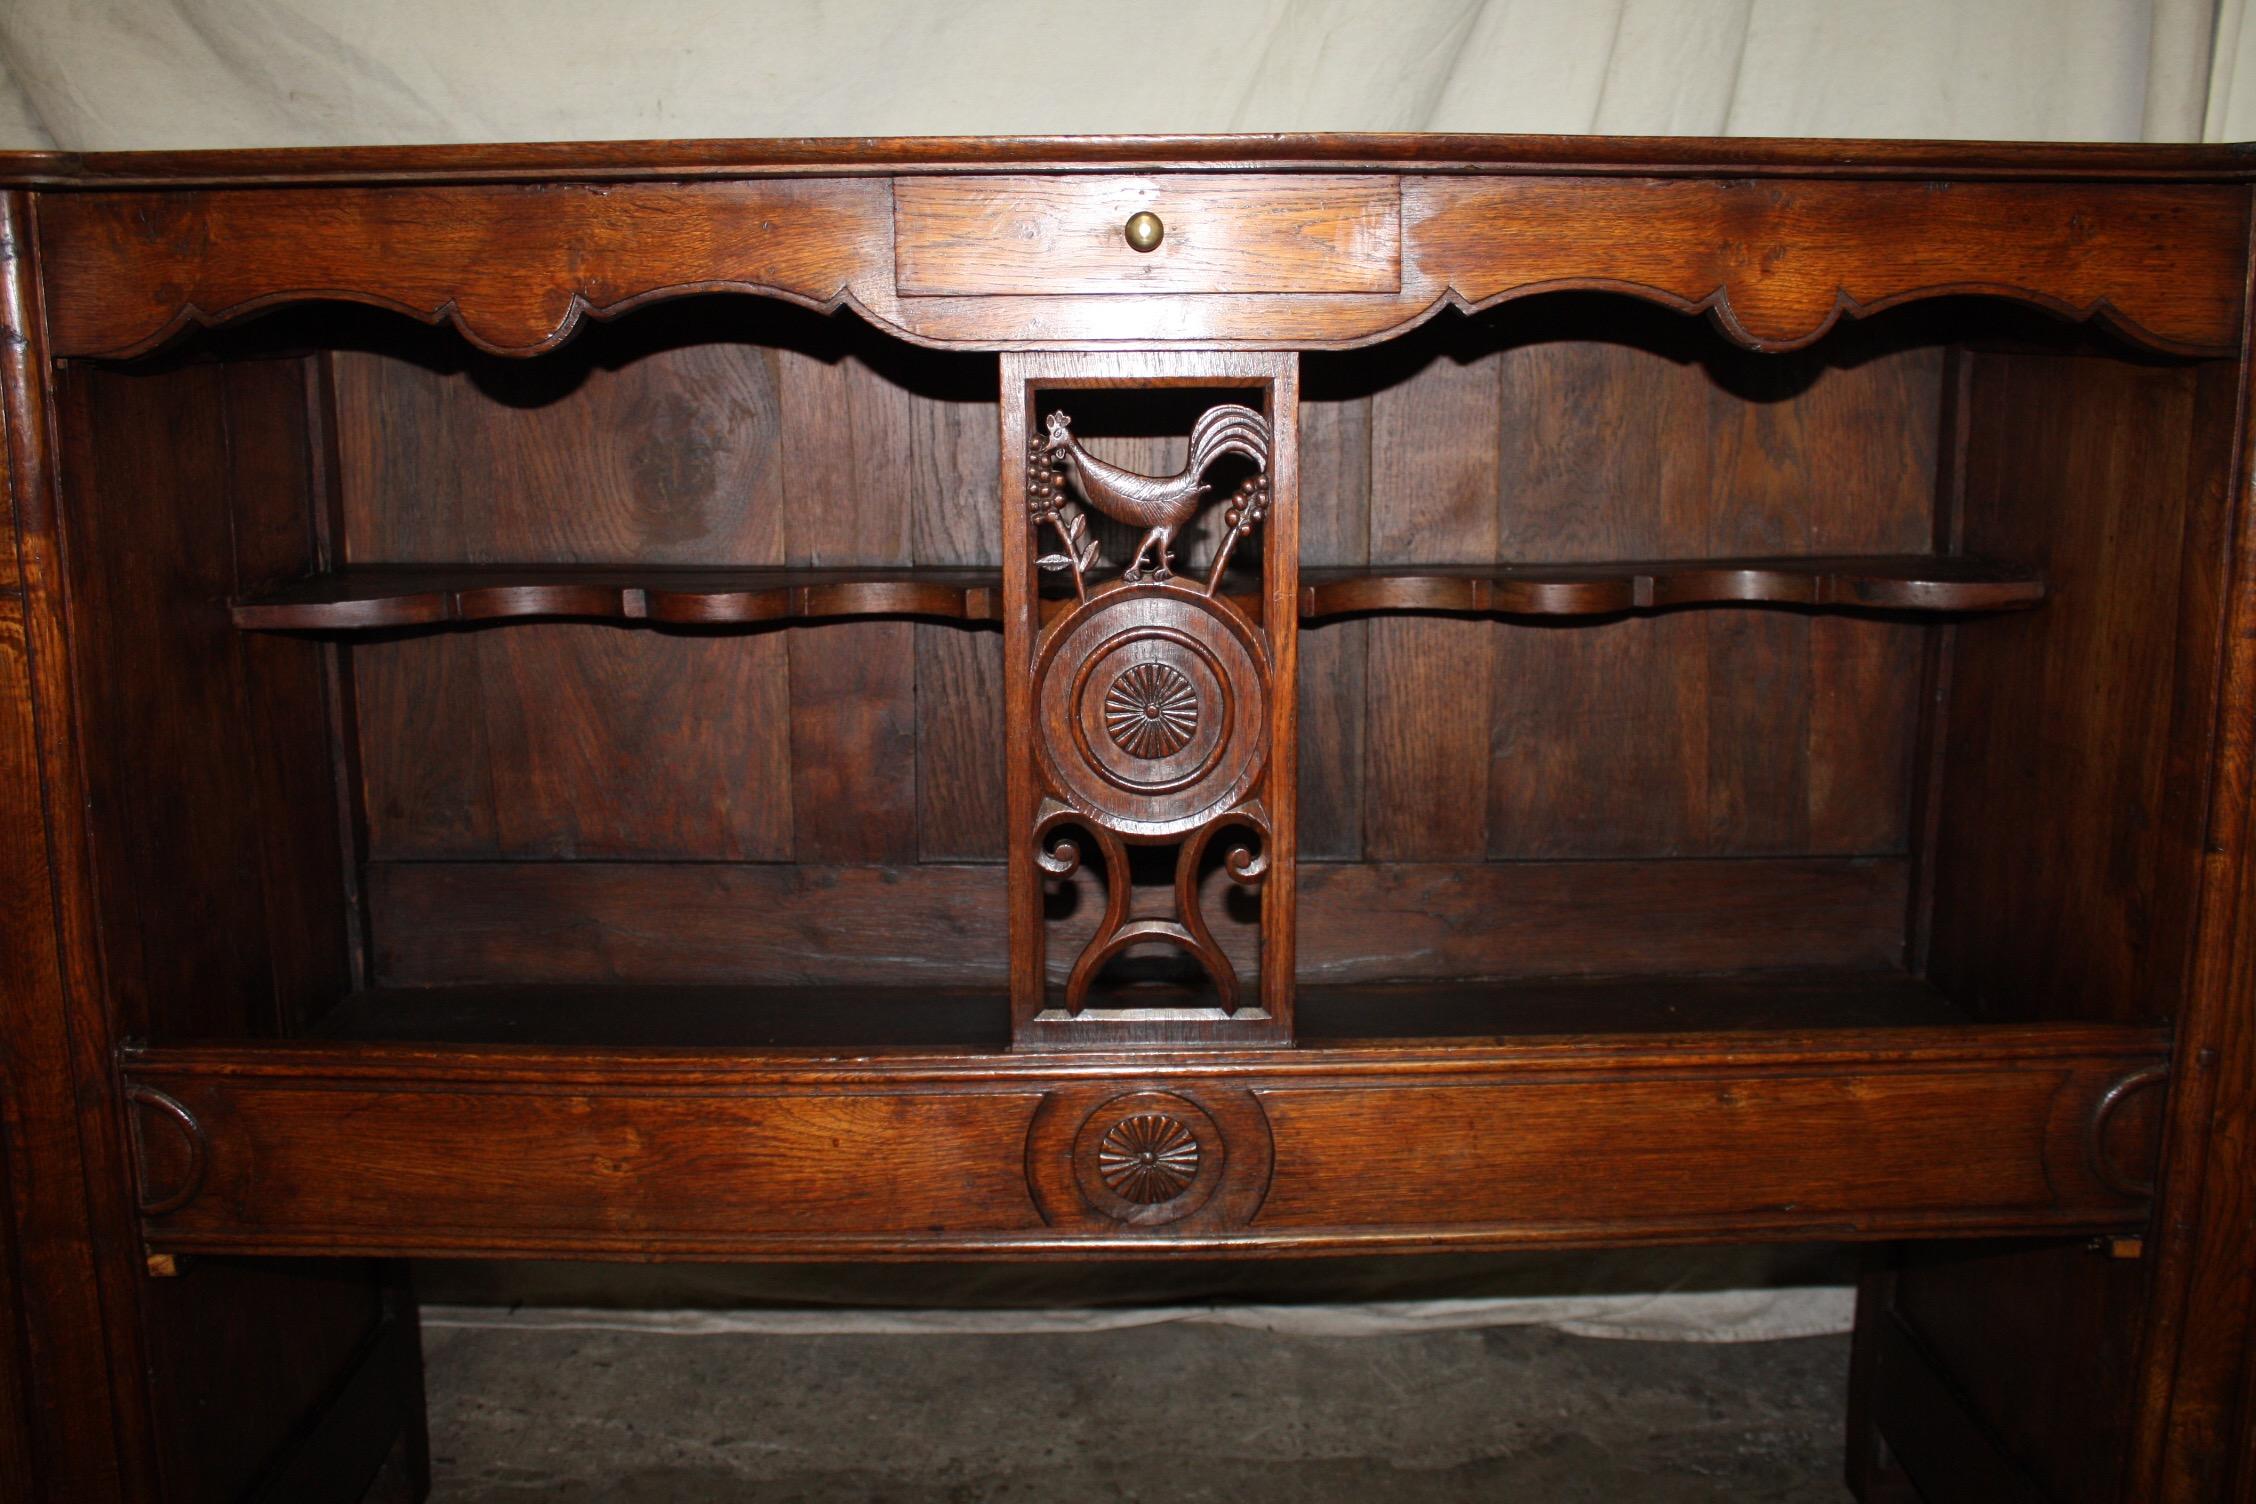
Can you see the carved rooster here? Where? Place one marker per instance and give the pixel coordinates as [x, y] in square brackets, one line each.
[1160, 504]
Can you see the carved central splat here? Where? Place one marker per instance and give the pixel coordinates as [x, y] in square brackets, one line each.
[1146, 711]
[1151, 692]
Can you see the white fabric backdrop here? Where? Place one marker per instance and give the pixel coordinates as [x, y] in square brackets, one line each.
[122, 74]
[109, 74]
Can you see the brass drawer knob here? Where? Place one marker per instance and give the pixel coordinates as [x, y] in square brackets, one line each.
[1144, 231]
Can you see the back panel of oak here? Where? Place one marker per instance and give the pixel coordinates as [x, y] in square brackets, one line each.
[1579, 429]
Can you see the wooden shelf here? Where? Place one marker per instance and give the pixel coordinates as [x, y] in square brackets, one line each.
[376, 597]
[1896, 582]
[370, 597]
[977, 1019]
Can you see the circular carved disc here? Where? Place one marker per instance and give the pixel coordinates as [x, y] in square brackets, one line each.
[1148, 1157]
[1152, 707]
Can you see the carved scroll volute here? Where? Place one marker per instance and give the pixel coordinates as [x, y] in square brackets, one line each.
[1153, 705]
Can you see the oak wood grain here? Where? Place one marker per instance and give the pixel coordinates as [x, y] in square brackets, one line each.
[1223, 234]
[127, 271]
[2159, 263]
[1910, 903]
[1774, 266]
[882, 156]
[388, 596]
[1335, 533]
[2089, 430]
[90, 1427]
[1434, 478]
[702, 923]
[1930, 1131]
[1892, 583]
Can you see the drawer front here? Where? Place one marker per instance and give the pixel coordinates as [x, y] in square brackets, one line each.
[971, 236]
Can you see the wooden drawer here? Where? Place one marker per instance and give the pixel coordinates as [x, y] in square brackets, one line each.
[1223, 234]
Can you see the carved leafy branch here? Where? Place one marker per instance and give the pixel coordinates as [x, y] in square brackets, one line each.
[1046, 501]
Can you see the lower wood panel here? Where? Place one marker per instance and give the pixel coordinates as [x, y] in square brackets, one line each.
[1855, 1145]
[701, 924]
[1931, 1434]
[1857, 1133]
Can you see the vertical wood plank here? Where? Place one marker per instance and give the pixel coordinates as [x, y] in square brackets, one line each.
[1280, 894]
[2058, 827]
[151, 559]
[272, 490]
[955, 519]
[1029, 938]
[1601, 745]
[621, 450]
[853, 684]
[618, 447]
[1758, 661]
[426, 771]
[613, 743]
[1335, 529]
[1433, 496]
[1705, 733]
[1878, 495]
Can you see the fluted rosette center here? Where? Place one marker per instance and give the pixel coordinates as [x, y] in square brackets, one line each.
[1148, 1158]
[1151, 711]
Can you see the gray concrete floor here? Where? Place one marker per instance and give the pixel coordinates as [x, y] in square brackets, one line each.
[1182, 1414]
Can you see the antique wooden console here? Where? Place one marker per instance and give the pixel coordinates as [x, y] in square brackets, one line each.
[1141, 698]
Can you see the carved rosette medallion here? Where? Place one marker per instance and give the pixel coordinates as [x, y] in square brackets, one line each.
[1148, 1158]
[1152, 710]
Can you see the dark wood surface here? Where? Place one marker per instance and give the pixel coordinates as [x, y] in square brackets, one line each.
[1799, 259]
[711, 923]
[484, 1149]
[1895, 911]
[997, 236]
[379, 596]
[1900, 583]
[375, 597]
[2118, 498]
[943, 1018]
[90, 1427]
[2158, 264]
[1970, 1309]
[1637, 155]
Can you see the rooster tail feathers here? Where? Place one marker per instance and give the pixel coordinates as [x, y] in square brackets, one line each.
[1229, 429]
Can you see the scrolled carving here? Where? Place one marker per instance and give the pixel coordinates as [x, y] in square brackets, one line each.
[1188, 932]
